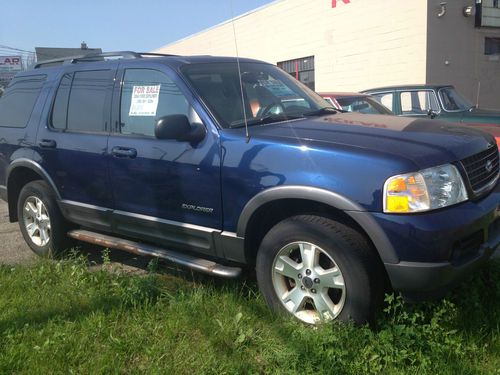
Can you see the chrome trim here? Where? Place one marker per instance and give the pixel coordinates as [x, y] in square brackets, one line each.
[84, 205]
[197, 264]
[165, 221]
[143, 217]
[229, 234]
[487, 187]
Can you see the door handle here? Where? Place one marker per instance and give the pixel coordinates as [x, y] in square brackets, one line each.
[124, 152]
[47, 143]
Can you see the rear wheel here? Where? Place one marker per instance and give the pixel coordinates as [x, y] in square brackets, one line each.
[318, 270]
[42, 224]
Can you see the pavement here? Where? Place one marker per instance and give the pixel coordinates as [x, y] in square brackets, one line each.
[13, 248]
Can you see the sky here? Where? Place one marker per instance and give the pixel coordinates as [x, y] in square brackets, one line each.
[140, 25]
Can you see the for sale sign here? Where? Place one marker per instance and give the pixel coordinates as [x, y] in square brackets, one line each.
[144, 100]
[10, 64]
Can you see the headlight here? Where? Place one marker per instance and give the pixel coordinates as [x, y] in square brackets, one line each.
[425, 190]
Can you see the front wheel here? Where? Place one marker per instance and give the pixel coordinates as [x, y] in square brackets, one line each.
[42, 224]
[318, 270]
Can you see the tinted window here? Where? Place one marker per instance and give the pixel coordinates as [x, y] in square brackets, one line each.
[60, 110]
[18, 101]
[492, 46]
[87, 100]
[269, 92]
[146, 96]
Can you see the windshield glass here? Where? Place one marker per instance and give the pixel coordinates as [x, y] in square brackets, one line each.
[363, 104]
[452, 101]
[270, 94]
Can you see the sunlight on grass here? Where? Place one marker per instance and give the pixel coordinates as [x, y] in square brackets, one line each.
[57, 317]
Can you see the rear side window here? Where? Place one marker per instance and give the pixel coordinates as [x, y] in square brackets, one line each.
[18, 101]
[80, 102]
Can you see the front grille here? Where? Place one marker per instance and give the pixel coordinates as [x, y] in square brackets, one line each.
[482, 168]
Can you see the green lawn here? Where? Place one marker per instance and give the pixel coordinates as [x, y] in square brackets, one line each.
[57, 317]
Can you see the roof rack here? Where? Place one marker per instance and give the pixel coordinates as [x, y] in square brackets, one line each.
[96, 57]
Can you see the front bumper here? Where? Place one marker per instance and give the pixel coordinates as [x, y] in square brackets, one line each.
[429, 277]
[438, 249]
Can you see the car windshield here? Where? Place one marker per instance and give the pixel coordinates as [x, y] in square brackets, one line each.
[271, 95]
[363, 104]
[453, 101]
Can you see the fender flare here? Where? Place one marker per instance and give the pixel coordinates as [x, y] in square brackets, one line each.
[362, 217]
[34, 166]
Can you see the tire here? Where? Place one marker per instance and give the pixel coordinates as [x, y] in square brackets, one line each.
[40, 220]
[318, 270]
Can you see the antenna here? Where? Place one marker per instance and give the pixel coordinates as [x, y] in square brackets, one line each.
[239, 73]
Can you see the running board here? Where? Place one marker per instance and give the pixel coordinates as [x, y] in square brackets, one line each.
[197, 264]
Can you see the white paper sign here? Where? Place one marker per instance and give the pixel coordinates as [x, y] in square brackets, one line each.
[144, 100]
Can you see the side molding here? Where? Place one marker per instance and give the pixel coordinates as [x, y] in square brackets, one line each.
[362, 217]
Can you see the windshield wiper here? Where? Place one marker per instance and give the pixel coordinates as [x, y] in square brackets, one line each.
[324, 111]
[264, 120]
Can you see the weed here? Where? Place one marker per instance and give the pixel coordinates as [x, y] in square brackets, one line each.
[57, 317]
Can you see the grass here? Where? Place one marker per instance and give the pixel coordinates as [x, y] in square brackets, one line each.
[57, 317]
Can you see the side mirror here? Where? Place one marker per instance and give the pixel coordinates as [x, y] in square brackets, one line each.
[178, 127]
[432, 114]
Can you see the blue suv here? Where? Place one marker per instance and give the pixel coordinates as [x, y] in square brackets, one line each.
[219, 163]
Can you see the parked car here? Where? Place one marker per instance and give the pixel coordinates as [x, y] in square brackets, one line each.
[162, 156]
[437, 101]
[355, 102]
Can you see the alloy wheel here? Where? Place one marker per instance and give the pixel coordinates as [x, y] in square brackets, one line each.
[36, 221]
[308, 282]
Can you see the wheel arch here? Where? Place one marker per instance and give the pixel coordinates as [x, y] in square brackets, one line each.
[307, 200]
[19, 173]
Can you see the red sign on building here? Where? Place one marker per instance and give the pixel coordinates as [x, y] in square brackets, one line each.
[334, 2]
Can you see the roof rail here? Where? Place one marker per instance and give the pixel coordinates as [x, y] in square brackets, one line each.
[96, 57]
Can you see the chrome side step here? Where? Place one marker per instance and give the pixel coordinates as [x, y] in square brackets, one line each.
[197, 264]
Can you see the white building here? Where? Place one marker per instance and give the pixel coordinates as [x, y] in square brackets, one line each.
[352, 45]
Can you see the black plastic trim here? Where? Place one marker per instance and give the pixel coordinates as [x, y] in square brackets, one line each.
[436, 277]
[337, 201]
[230, 246]
[27, 163]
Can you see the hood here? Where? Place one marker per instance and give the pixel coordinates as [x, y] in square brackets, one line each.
[482, 117]
[485, 120]
[425, 142]
[485, 113]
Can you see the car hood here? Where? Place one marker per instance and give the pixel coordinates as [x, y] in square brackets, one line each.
[484, 113]
[485, 120]
[425, 142]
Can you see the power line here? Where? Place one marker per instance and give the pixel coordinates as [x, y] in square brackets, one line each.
[16, 49]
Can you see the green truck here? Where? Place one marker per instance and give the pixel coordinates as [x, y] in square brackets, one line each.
[437, 101]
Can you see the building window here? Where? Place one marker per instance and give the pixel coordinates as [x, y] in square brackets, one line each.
[302, 69]
[492, 46]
